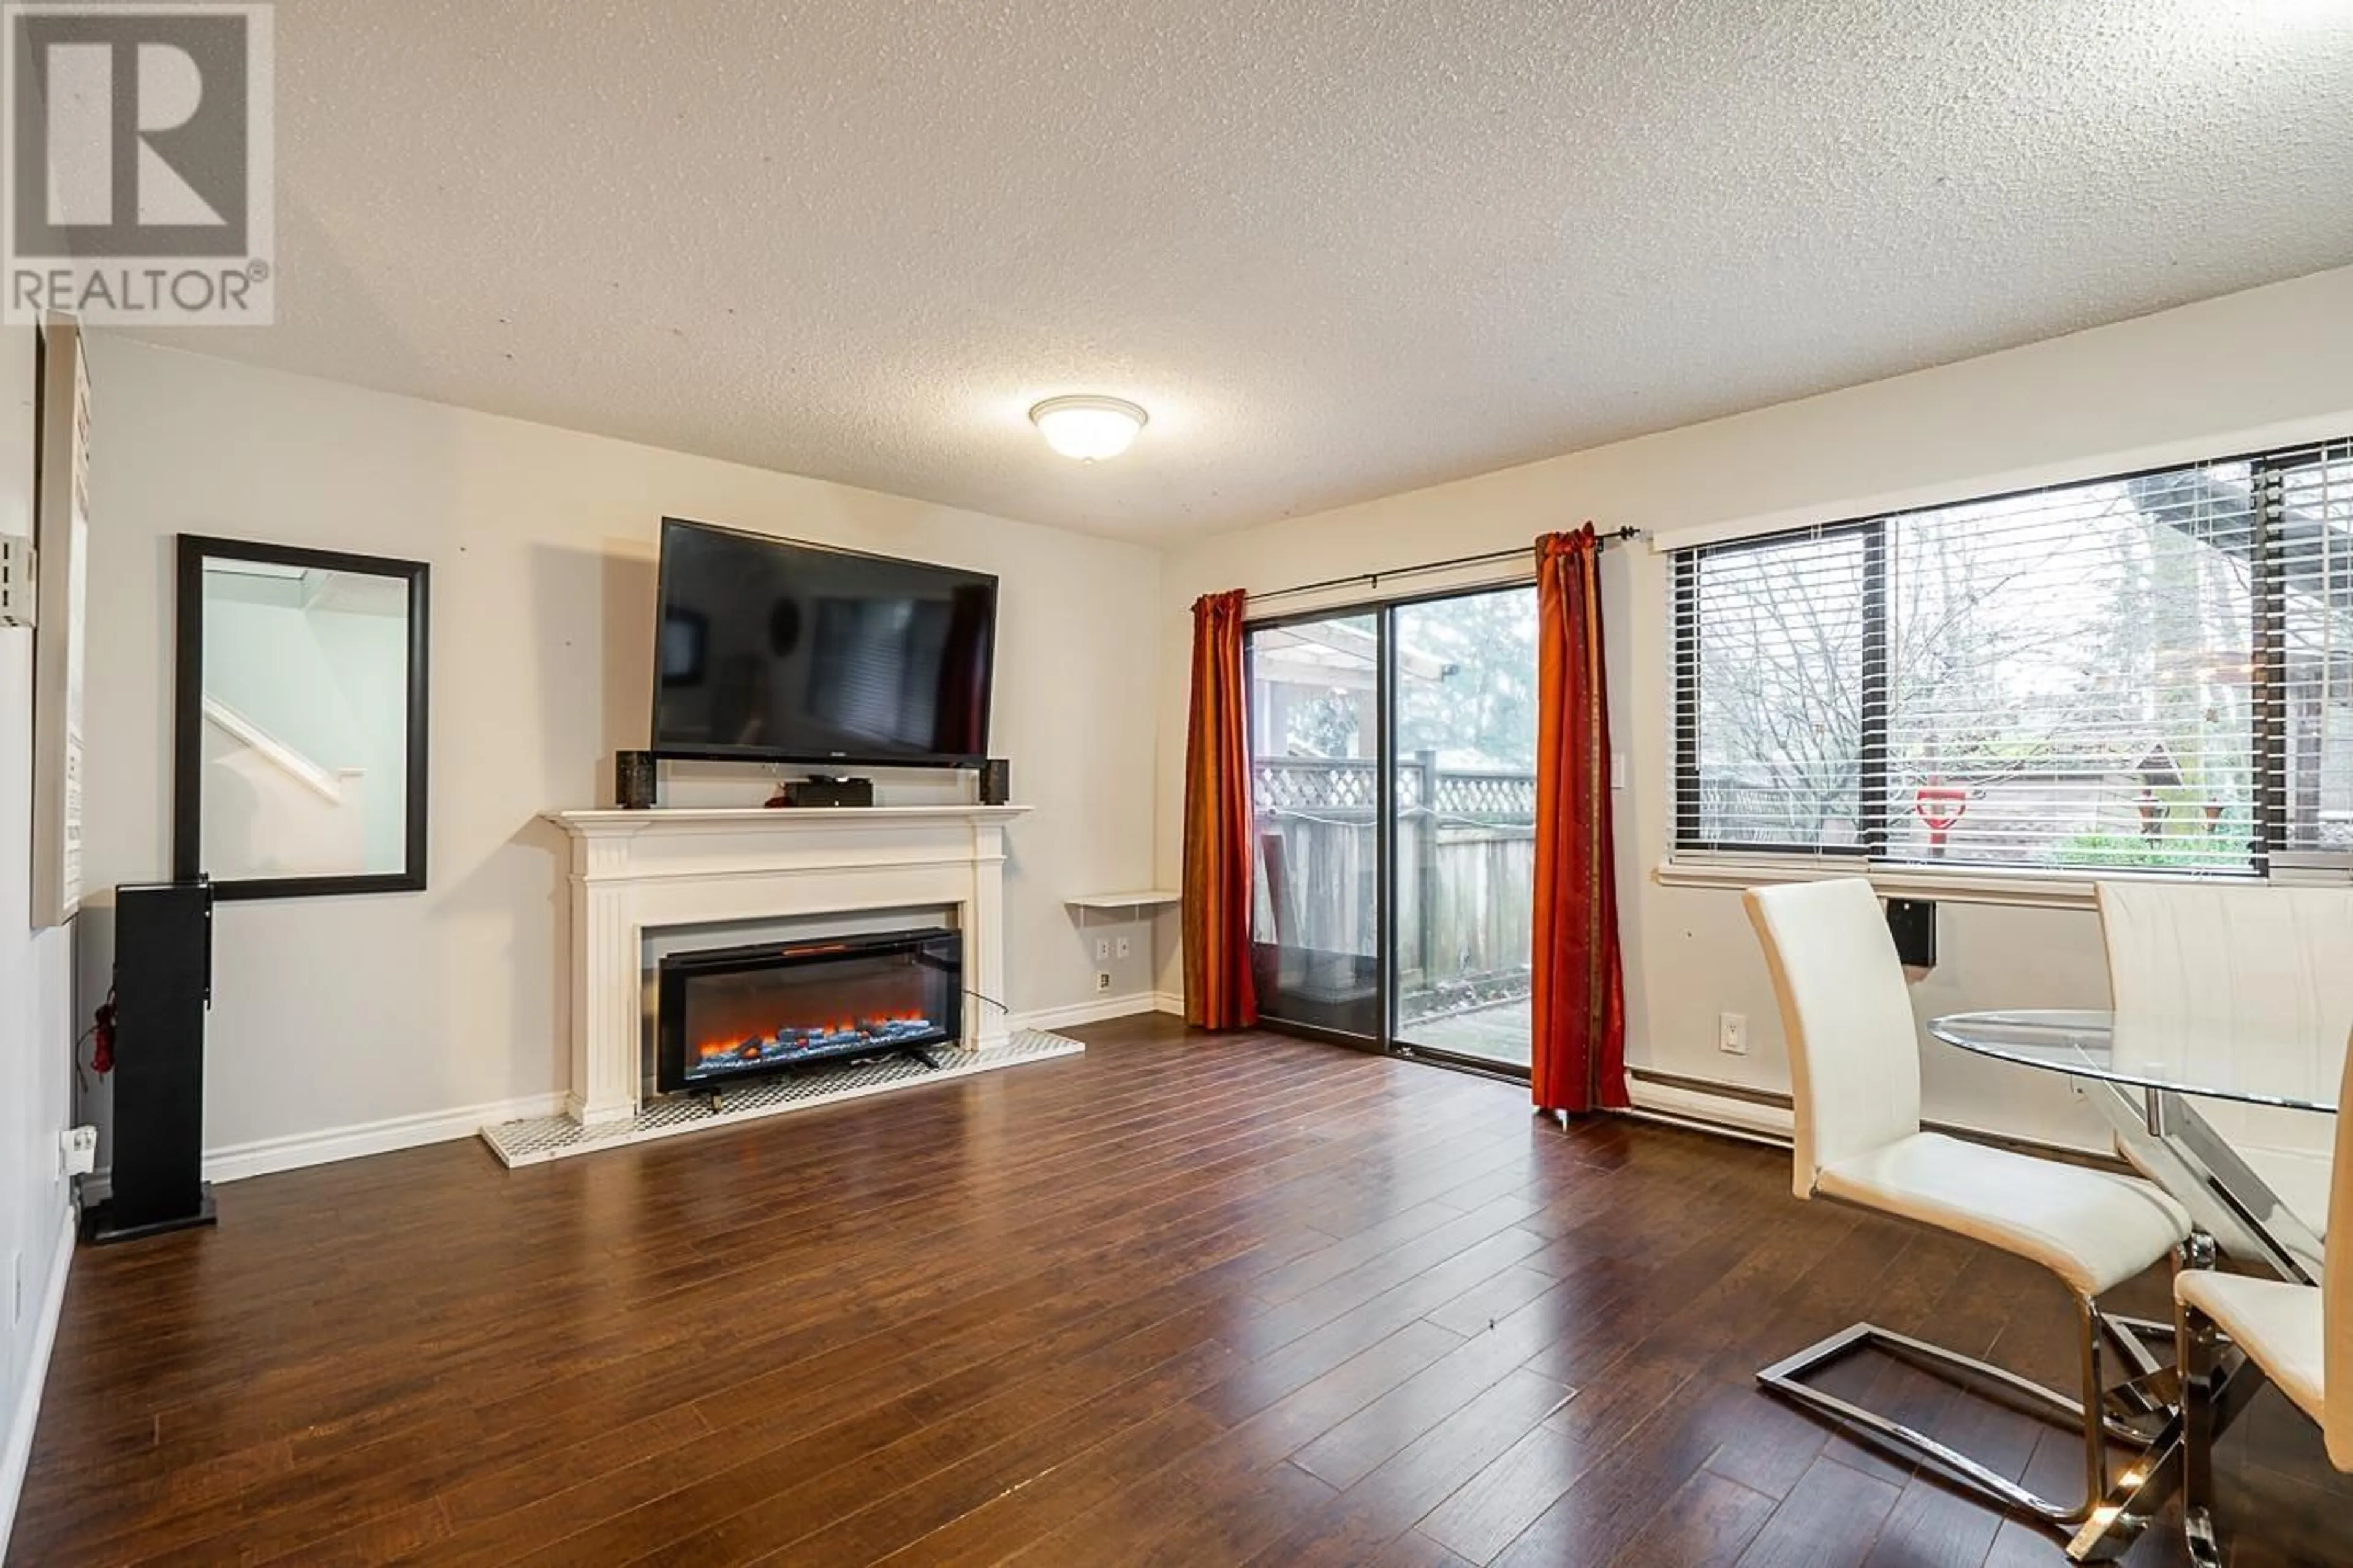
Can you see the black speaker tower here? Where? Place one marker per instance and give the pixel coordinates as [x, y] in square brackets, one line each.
[163, 984]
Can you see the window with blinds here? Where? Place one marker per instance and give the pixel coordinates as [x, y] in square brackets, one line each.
[2152, 671]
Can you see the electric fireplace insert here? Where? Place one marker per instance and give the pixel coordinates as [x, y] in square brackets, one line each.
[723, 1014]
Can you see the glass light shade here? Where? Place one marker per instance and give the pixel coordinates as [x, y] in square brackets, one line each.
[1088, 428]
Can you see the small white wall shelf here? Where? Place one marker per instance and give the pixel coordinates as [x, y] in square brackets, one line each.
[1152, 899]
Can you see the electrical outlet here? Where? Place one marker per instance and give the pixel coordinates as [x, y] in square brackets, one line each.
[1102, 979]
[1124, 948]
[1616, 770]
[16, 582]
[1732, 1033]
[78, 1149]
[1103, 950]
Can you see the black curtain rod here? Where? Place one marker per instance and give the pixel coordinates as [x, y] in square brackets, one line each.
[1373, 579]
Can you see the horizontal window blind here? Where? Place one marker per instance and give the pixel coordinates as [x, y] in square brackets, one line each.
[2305, 760]
[2153, 672]
[1769, 639]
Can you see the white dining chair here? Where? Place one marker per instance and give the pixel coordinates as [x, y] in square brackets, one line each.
[1854, 1069]
[2263, 974]
[2299, 1337]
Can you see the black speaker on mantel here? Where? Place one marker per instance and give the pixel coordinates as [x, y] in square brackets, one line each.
[633, 779]
[163, 984]
[996, 782]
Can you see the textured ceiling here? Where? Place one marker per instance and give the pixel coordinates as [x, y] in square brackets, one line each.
[1337, 249]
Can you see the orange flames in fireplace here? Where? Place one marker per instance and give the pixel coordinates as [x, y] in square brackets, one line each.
[750, 1048]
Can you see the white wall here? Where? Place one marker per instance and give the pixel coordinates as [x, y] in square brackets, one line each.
[333, 1014]
[35, 1028]
[2205, 380]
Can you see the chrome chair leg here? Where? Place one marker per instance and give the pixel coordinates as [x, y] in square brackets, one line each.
[2200, 1361]
[2088, 1414]
[2089, 1331]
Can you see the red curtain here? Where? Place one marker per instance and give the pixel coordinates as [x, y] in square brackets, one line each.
[1219, 990]
[1580, 1004]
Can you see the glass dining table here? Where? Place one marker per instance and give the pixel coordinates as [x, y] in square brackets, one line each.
[2149, 1078]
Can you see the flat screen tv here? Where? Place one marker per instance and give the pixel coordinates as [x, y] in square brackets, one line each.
[773, 650]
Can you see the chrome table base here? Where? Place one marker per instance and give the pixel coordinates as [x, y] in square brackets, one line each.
[2163, 1135]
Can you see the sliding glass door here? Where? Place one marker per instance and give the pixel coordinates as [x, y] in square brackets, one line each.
[1316, 700]
[1393, 778]
[1465, 814]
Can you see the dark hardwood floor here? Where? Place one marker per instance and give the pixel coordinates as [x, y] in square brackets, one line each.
[1181, 1300]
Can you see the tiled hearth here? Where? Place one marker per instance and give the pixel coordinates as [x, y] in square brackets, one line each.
[545, 1138]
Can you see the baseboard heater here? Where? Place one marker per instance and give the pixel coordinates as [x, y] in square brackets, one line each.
[1756, 1115]
[1762, 1116]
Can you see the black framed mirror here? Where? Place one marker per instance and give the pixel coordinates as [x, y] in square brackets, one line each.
[298, 739]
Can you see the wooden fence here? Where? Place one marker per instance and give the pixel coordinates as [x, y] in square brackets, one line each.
[1466, 864]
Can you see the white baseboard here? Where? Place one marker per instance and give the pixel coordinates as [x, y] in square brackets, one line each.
[236, 1162]
[17, 1453]
[266, 1156]
[1088, 1012]
[1169, 1002]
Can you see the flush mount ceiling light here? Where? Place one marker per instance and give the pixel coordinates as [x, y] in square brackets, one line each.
[1088, 428]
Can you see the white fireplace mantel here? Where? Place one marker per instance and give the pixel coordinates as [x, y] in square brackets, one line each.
[635, 872]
